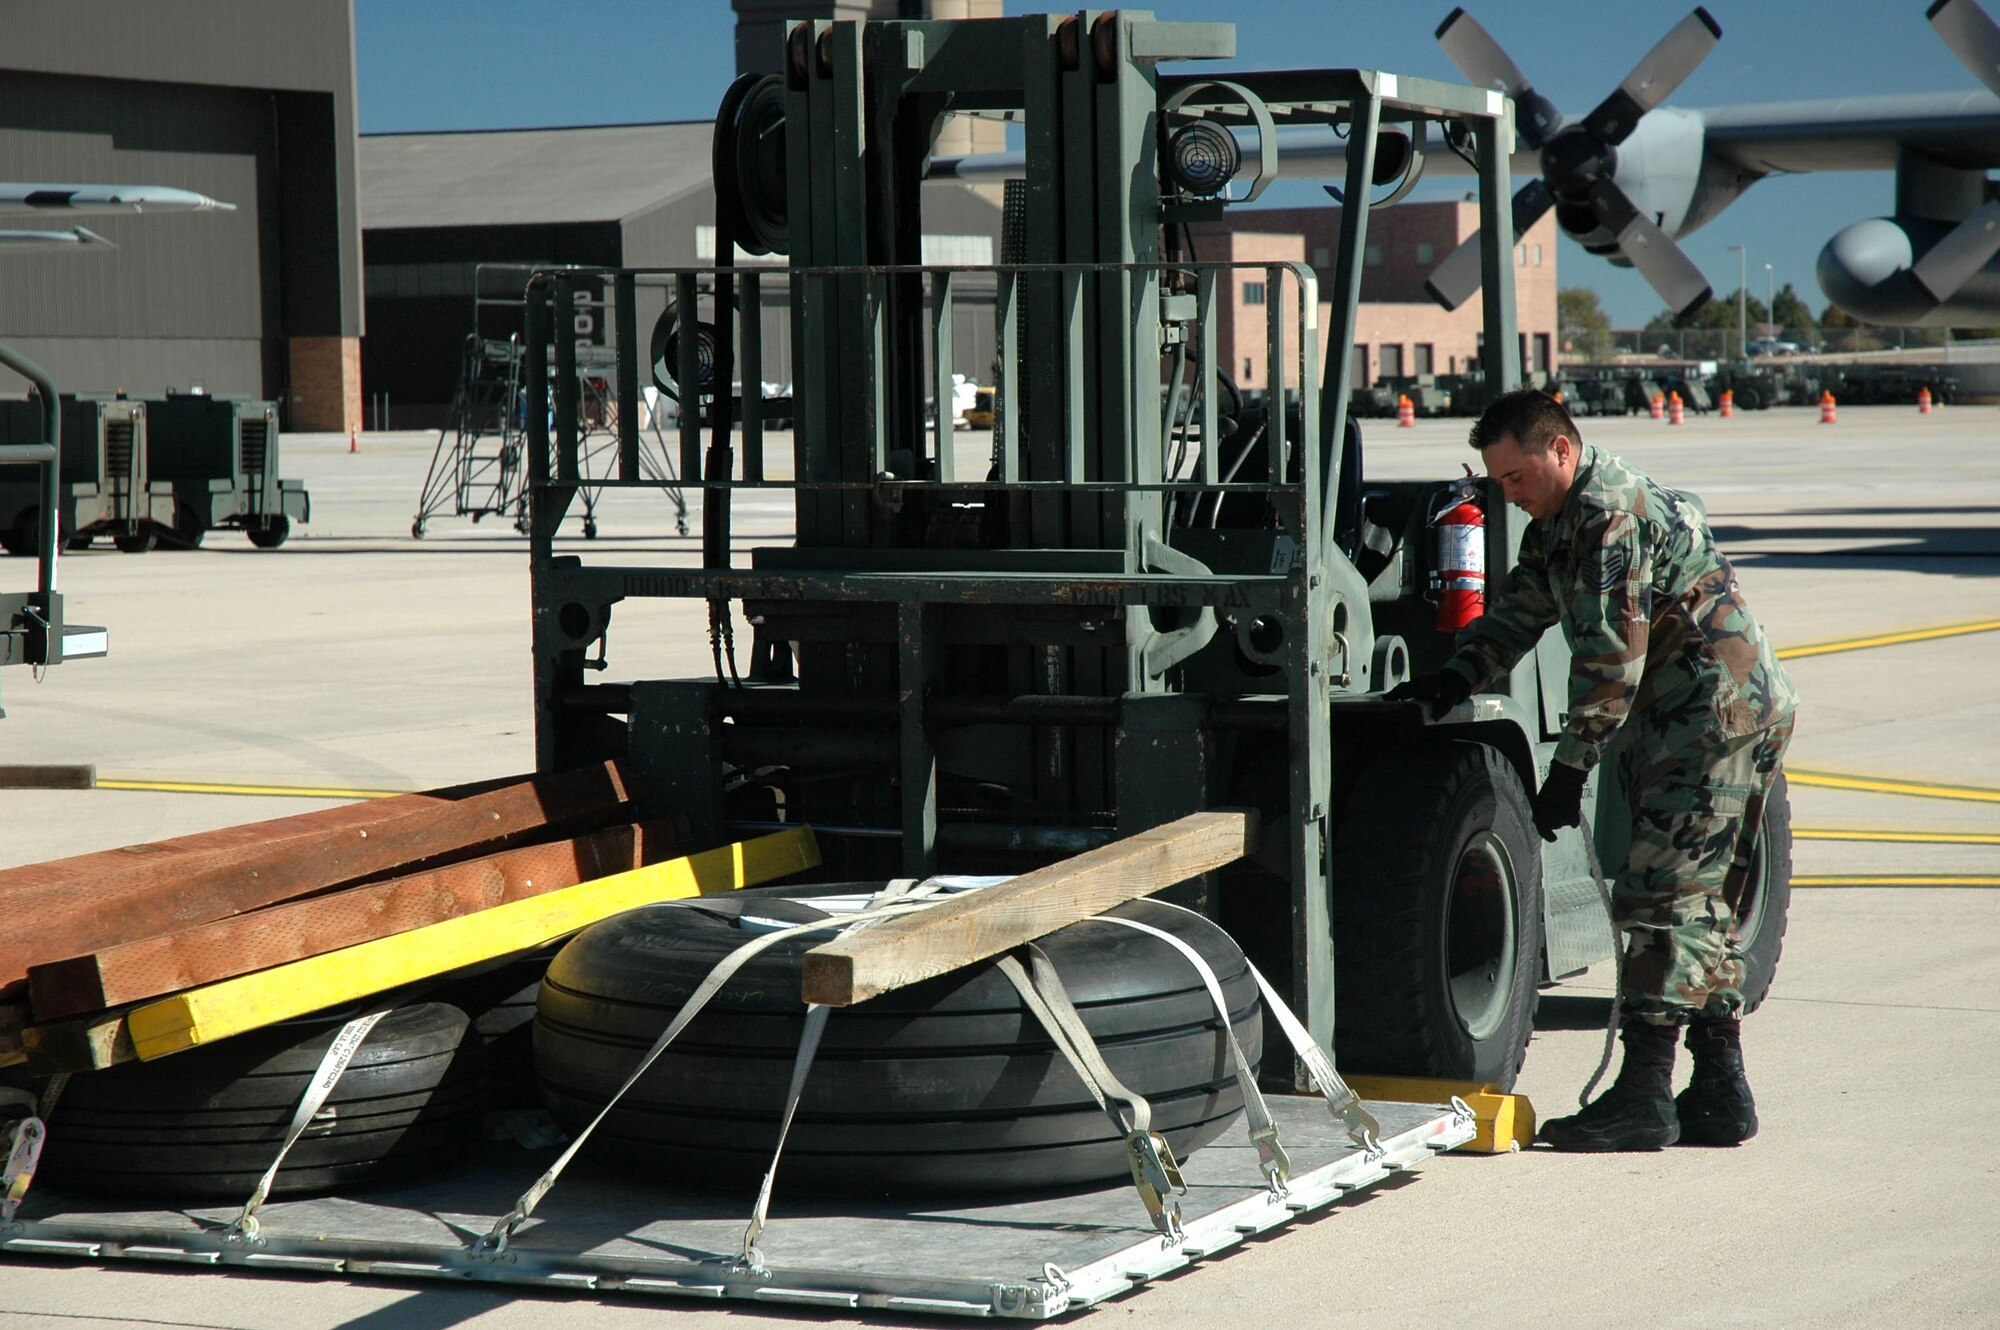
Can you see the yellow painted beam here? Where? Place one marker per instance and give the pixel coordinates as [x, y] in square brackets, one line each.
[1505, 1121]
[252, 1001]
[1898, 837]
[265, 791]
[1897, 880]
[1834, 780]
[1890, 639]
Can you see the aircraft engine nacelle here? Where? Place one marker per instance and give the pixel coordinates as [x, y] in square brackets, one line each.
[1660, 167]
[1865, 270]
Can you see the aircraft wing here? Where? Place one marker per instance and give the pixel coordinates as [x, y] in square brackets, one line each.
[1958, 129]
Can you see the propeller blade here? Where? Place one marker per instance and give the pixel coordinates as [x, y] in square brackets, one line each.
[1972, 35]
[1484, 64]
[1953, 260]
[1659, 260]
[1454, 281]
[1657, 74]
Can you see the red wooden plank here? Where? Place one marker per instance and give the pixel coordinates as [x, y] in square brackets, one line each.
[131, 971]
[73, 906]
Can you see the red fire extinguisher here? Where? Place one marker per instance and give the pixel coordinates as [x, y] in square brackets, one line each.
[1460, 576]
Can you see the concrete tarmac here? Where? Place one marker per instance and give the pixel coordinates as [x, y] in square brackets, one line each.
[356, 658]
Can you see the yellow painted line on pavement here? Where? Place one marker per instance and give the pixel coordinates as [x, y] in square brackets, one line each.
[1899, 837]
[1898, 880]
[268, 791]
[1890, 639]
[1834, 780]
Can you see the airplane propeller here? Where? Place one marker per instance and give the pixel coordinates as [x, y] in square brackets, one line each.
[1579, 159]
[1975, 39]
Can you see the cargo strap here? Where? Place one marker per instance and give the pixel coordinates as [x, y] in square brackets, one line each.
[1341, 1101]
[1271, 1156]
[339, 1054]
[1156, 1175]
[1603, 886]
[30, 1134]
[906, 896]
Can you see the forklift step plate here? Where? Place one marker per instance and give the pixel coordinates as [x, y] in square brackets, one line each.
[1034, 1257]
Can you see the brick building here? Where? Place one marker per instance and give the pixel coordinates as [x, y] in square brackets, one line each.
[1400, 330]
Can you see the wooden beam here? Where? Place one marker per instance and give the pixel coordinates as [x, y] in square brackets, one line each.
[47, 777]
[248, 1002]
[72, 906]
[81, 1043]
[971, 927]
[132, 971]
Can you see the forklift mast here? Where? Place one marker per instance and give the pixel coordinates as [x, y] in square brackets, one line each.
[1146, 601]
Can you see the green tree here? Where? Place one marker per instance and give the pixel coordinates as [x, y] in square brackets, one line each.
[1584, 326]
[1793, 317]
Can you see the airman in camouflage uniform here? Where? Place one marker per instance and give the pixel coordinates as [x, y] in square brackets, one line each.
[1673, 680]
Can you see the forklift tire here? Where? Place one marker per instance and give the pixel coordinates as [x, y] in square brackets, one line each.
[19, 539]
[947, 1085]
[208, 1122]
[139, 542]
[1437, 917]
[271, 533]
[1763, 915]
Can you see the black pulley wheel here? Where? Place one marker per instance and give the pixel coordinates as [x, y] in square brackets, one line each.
[1437, 917]
[208, 1122]
[945, 1086]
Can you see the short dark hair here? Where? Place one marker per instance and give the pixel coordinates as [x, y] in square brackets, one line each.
[1528, 415]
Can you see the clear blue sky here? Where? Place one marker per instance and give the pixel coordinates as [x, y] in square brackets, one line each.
[426, 64]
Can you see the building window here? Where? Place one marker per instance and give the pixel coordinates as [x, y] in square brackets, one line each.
[1425, 253]
[1392, 360]
[1544, 362]
[1359, 373]
[1248, 373]
[1538, 256]
[1520, 256]
[1424, 356]
[1253, 293]
[1372, 256]
[1322, 257]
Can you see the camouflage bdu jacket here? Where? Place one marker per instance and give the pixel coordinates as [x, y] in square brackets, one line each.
[1654, 619]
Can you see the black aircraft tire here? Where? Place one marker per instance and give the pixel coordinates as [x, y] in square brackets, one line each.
[270, 533]
[1437, 918]
[1765, 914]
[208, 1122]
[947, 1085]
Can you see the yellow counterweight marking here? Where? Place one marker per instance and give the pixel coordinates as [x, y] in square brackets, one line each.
[1833, 780]
[1897, 880]
[278, 791]
[1890, 639]
[1899, 837]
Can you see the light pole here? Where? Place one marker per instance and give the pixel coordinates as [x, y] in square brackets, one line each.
[1742, 308]
[1770, 302]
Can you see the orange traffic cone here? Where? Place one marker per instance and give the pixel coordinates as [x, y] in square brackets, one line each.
[1728, 403]
[1406, 412]
[1826, 412]
[1657, 407]
[1924, 401]
[1676, 413]
[353, 442]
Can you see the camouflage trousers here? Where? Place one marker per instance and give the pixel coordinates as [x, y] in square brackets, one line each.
[1696, 801]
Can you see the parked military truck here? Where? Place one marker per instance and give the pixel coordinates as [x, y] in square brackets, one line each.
[217, 460]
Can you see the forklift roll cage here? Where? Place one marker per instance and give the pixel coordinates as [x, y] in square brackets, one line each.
[974, 673]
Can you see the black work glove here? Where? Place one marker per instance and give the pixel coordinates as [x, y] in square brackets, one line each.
[1443, 690]
[1560, 801]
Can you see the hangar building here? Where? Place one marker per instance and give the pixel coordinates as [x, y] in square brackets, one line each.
[247, 101]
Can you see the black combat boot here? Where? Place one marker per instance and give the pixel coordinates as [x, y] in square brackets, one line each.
[1716, 1108]
[1637, 1112]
